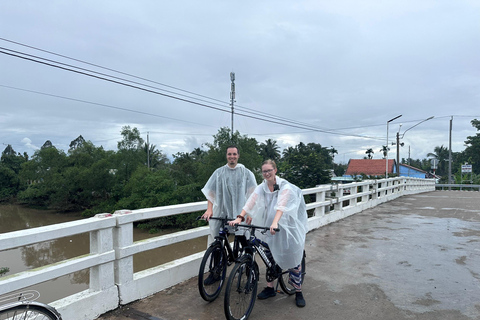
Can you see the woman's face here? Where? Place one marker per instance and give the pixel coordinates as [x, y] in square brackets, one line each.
[269, 172]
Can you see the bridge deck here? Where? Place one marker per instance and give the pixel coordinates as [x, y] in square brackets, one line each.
[417, 257]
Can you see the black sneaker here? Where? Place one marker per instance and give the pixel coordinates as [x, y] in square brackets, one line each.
[211, 279]
[299, 300]
[267, 293]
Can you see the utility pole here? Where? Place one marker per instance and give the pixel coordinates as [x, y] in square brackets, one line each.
[450, 156]
[232, 94]
[386, 151]
[148, 153]
[398, 152]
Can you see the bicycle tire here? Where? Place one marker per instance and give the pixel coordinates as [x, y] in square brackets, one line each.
[214, 264]
[241, 290]
[28, 312]
[285, 285]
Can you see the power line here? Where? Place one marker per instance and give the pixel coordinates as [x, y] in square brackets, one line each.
[111, 80]
[102, 74]
[110, 69]
[124, 73]
[116, 80]
[101, 105]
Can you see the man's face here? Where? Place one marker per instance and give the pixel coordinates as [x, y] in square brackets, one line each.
[232, 157]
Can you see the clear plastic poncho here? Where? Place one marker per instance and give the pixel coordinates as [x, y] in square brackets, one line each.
[288, 244]
[228, 189]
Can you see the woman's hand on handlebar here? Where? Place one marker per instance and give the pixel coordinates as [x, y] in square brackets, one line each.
[207, 215]
[273, 227]
[235, 222]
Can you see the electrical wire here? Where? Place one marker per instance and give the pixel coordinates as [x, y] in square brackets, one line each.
[88, 63]
[116, 80]
[102, 105]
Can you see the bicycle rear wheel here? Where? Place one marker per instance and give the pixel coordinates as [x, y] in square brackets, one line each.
[241, 290]
[212, 273]
[284, 283]
[28, 312]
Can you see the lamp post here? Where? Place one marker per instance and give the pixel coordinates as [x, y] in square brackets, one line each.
[386, 147]
[398, 141]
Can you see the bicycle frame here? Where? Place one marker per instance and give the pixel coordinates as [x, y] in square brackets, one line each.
[256, 245]
[223, 237]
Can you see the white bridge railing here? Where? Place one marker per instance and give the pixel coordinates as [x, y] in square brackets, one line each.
[113, 281]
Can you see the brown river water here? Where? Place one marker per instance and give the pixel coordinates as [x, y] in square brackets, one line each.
[15, 217]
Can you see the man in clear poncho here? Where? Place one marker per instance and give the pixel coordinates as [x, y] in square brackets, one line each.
[227, 190]
[280, 204]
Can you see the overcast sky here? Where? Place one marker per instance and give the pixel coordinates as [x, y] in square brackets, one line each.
[337, 71]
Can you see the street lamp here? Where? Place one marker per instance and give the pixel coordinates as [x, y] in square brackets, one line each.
[398, 142]
[386, 147]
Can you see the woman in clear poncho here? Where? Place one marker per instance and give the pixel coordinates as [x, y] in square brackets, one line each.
[280, 204]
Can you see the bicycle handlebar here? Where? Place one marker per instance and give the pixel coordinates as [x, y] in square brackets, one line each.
[251, 226]
[215, 218]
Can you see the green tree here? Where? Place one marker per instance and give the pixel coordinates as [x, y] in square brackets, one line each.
[215, 156]
[369, 153]
[130, 152]
[306, 165]
[440, 153]
[155, 158]
[78, 142]
[10, 165]
[472, 151]
[186, 167]
[43, 174]
[384, 151]
[270, 150]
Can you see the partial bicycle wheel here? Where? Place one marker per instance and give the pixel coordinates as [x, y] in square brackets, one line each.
[27, 312]
[241, 290]
[286, 286]
[212, 273]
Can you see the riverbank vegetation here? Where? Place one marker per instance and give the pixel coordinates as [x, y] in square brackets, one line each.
[91, 180]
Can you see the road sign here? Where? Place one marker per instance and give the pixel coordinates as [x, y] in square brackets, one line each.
[466, 168]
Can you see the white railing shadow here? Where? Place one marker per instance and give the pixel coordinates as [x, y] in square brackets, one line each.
[113, 281]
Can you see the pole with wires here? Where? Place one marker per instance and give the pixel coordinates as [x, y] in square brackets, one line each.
[232, 95]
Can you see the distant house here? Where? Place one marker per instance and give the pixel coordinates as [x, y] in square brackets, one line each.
[409, 171]
[369, 167]
[374, 168]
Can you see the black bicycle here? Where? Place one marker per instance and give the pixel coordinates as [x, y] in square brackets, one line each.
[241, 290]
[219, 255]
[22, 306]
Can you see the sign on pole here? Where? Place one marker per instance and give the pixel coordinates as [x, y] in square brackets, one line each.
[466, 168]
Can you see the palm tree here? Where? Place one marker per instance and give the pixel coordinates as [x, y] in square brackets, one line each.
[369, 153]
[333, 152]
[384, 150]
[441, 154]
[270, 150]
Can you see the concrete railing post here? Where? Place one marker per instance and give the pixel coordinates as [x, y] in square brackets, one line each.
[338, 194]
[101, 276]
[123, 237]
[320, 197]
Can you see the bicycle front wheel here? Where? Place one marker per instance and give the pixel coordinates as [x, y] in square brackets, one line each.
[27, 312]
[287, 287]
[241, 290]
[212, 273]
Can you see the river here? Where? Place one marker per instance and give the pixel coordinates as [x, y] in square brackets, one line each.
[16, 217]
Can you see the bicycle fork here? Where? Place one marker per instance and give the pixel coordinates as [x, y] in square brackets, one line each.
[251, 278]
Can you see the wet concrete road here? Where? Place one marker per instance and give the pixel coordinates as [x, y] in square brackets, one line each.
[417, 257]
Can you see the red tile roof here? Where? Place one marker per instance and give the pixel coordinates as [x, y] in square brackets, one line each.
[370, 167]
